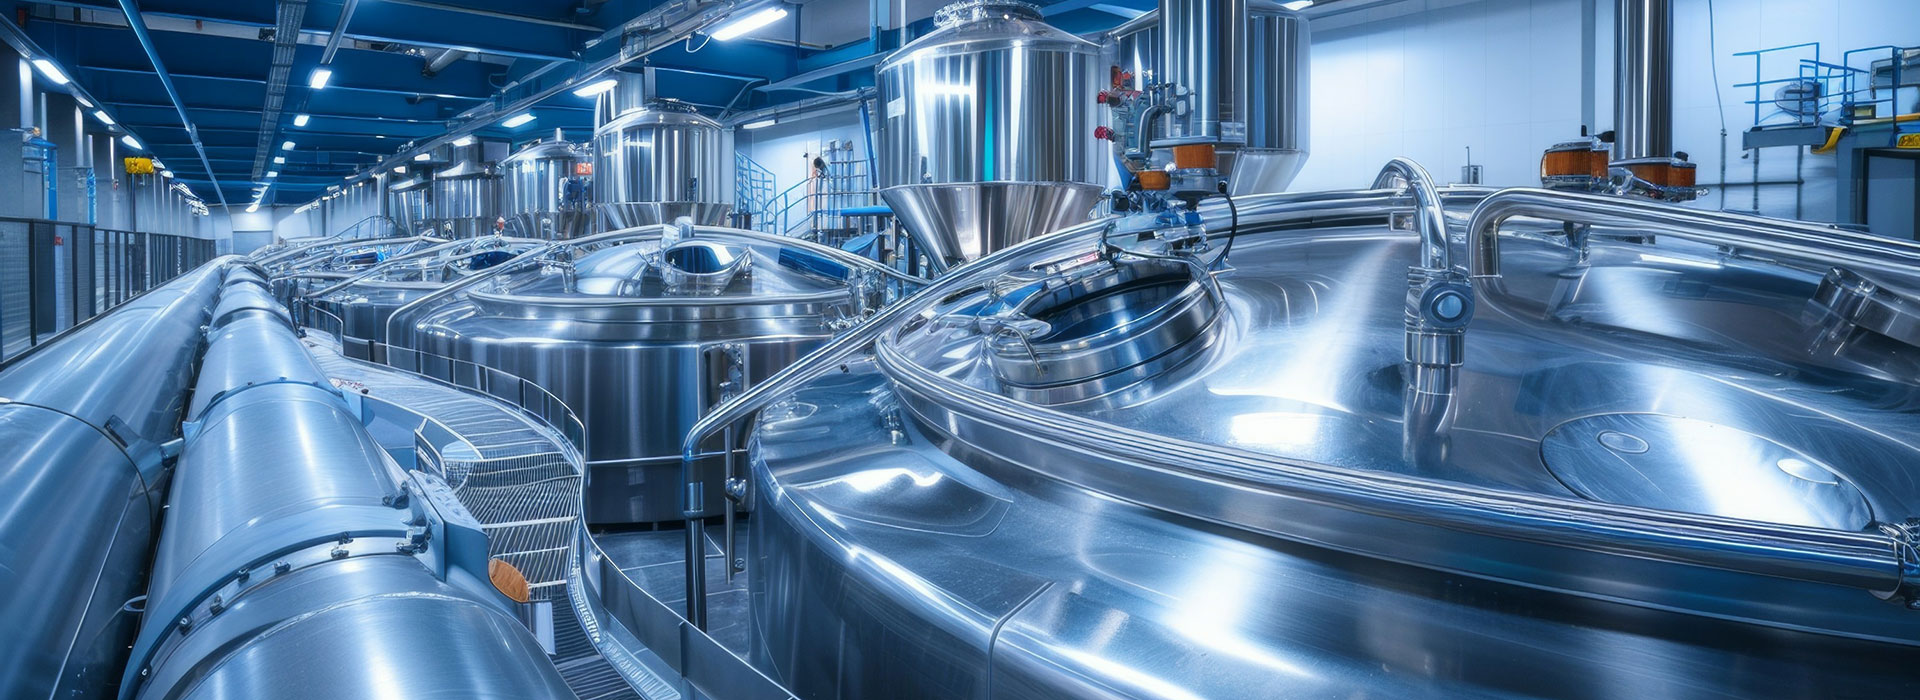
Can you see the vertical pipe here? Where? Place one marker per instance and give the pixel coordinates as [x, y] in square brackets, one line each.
[1194, 32]
[1643, 79]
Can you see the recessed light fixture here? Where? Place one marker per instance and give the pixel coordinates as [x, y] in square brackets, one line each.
[318, 79]
[764, 123]
[271, 174]
[279, 160]
[302, 119]
[1297, 4]
[400, 169]
[166, 174]
[84, 104]
[423, 157]
[251, 208]
[51, 71]
[101, 115]
[463, 142]
[517, 120]
[131, 142]
[596, 87]
[749, 23]
[286, 145]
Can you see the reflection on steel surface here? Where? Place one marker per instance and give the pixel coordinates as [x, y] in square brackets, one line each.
[993, 95]
[1638, 437]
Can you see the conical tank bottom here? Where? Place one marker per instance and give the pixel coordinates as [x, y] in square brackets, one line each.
[622, 215]
[553, 225]
[955, 223]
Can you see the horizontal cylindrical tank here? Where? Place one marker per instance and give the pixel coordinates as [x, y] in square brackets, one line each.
[546, 190]
[1263, 91]
[661, 162]
[987, 136]
[298, 561]
[82, 421]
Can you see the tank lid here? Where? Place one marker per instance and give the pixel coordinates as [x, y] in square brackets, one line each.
[974, 10]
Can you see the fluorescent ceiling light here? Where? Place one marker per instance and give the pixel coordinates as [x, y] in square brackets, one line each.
[764, 123]
[400, 169]
[251, 208]
[596, 87]
[749, 23]
[301, 119]
[463, 142]
[271, 174]
[51, 71]
[1297, 4]
[279, 160]
[379, 136]
[101, 115]
[517, 120]
[166, 174]
[131, 142]
[318, 79]
[423, 156]
[286, 145]
[83, 102]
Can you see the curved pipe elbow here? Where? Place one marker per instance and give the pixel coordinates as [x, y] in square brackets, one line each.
[1431, 216]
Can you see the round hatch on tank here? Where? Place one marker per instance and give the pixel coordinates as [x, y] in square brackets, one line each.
[1682, 464]
[1104, 328]
[700, 267]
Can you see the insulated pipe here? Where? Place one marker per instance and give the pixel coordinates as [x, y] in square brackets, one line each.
[298, 561]
[83, 421]
[1643, 79]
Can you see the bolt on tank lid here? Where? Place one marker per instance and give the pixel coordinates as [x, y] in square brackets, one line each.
[975, 10]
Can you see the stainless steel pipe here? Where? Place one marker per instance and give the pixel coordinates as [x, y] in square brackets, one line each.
[1814, 245]
[1643, 79]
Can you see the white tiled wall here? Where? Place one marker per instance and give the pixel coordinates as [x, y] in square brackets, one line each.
[1429, 78]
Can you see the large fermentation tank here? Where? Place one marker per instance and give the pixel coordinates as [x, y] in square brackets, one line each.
[661, 162]
[546, 189]
[407, 205]
[463, 199]
[640, 340]
[82, 424]
[1677, 455]
[363, 303]
[988, 130]
[1263, 90]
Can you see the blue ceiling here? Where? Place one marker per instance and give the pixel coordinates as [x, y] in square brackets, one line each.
[380, 95]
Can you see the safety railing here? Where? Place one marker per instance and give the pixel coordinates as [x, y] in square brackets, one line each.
[599, 591]
[55, 274]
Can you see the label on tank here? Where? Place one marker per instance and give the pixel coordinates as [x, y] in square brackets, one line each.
[896, 107]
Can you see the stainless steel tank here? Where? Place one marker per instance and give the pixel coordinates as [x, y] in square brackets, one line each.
[293, 541]
[661, 162]
[1682, 437]
[359, 306]
[463, 200]
[547, 190]
[640, 337]
[988, 130]
[82, 421]
[407, 204]
[1264, 91]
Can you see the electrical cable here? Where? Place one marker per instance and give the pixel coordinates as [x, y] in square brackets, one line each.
[1234, 227]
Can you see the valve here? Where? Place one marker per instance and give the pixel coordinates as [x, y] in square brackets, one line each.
[1103, 133]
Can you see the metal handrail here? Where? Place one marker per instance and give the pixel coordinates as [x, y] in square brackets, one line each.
[1815, 245]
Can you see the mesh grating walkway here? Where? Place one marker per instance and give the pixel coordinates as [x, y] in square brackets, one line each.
[508, 470]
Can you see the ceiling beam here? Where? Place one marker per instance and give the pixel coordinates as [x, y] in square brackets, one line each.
[160, 69]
